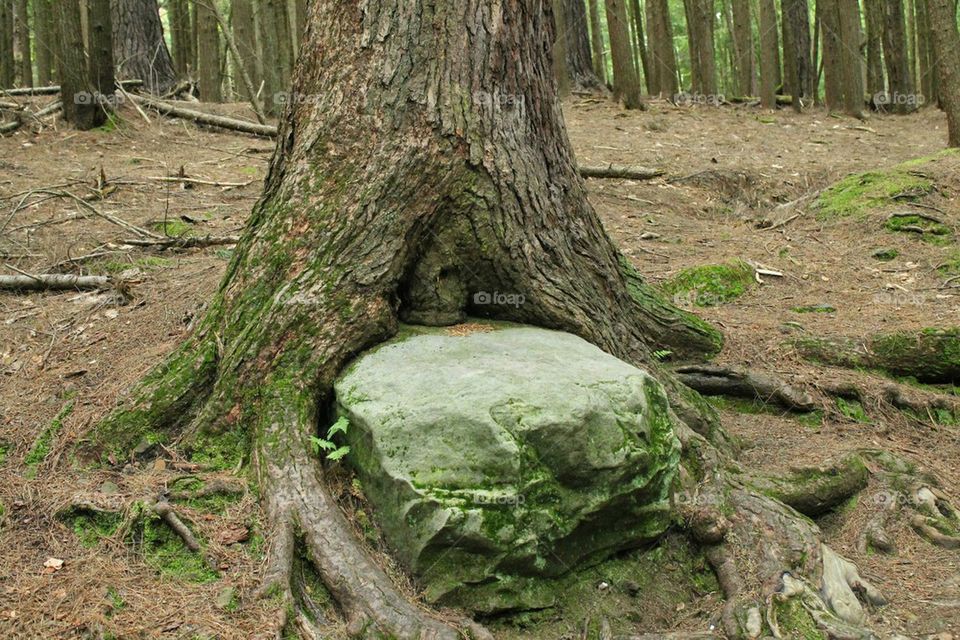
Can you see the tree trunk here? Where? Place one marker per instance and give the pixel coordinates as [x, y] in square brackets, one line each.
[573, 39]
[181, 36]
[44, 41]
[876, 83]
[768, 61]
[80, 107]
[663, 56]
[596, 43]
[22, 16]
[626, 83]
[942, 15]
[796, 47]
[270, 15]
[743, 47]
[832, 57]
[640, 40]
[7, 64]
[700, 28]
[851, 60]
[244, 32]
[452, 196]
[926, 56]
[208, 53]
[901, 91]
[102, 76]
[139, 49]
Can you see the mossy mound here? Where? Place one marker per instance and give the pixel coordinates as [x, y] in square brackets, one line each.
[499, 460]
[710, 284]
[927, 229]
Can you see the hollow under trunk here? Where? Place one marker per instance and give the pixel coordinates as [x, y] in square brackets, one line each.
[419, 170]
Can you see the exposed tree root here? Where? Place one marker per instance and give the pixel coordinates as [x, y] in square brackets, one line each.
[716, 380]
[814, 492]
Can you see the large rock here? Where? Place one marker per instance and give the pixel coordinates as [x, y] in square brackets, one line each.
[499, 459]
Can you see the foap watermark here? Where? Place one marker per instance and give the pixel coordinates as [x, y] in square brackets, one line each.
[500, 500]
[701, 99]
[900, 299]
[502, 105]
[287, 97]
[97, 98]
[694, 298]
[499, 299]
[897, 99]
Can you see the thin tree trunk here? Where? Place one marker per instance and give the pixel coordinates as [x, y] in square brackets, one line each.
[926, 56]
[7, 64]
[901, 90]
[636, 14]
[796, 46]
[208, 51]
[663, 54]
[102, 75]
[573, 40]
[23, 42]
[876, 83]
[832, 62]
[80, 108]
[139, 48]
[942, 15]
[43, 40]
[626, 83]
[768, 61]
[181, 36]
[743, 47]
[596, 42]
[244, 32]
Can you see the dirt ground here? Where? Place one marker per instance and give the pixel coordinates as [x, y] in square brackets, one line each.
[739, 184]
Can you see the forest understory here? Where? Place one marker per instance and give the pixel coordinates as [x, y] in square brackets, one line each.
[876, 255]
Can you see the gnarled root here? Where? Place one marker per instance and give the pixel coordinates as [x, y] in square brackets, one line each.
[742, 383]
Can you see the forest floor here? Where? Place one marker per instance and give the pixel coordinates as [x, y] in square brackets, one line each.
[740, 184]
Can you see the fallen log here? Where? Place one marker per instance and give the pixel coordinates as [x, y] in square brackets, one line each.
[222, 122]
[55, 88]
[189, 242]
[621, 171]
[53, 282]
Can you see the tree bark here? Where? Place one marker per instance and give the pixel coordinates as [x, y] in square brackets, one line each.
[663, 70]
[851, 60]
[7, 65]
[208, 53]
[44, 40]
[22, 18]
[181, 35]
[596, 42]
[244, 32]
[942, 16]
[80, 107]
[743, 47]
[700, 27]
[102, 76]
[396, 194]
[796, 47]
[876, 82]
[768, 61]
[832, 56]
[901, 90]
[640, 39]
[139, 49]
[573, 39]
[626, 83]
[926, 56]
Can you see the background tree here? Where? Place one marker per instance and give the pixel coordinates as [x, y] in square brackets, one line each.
[797, 67]
[80, 106]
[139, 48]
[642, 58]
[876, 80]
[102, 75]
[181, 36]
[596, 42]
[22, 25]
[208, 52]
[626, 82]
[769, 67]
[743, 52]
[7, 65]
[245, 33]
[701, 20]
[896, 56]
[942, 15]
[663, 78]
[573, 40]
[850, 58]
[44, 41]
[926, 55]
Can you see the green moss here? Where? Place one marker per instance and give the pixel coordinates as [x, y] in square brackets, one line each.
[933, 232]
[220, 450]
[115, 602]
[112, 124]
[710, 285]
[4, 450]
[795, 622]
[885, 255]
[815, 308]
[756, 407]
[165, 552]
[41, 446]
[91, 526]
[853, 409]
[173, 228]
[860, 193]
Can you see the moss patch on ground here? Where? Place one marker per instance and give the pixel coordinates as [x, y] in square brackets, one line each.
[860, 193]
[853, 409]
[711, 284]
[926, 229]
[91, 526]
[150, 263]
[173, 228]
[41, 446]
[811, 419]
[166, 553]
[795, 621]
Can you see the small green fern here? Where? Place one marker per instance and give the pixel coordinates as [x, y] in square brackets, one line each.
[327, 444]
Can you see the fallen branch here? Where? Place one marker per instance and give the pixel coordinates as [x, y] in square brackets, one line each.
[622, 171]
[103, 214]
[165, 510]
[728, 381]
[54, 89]
[184, 243]
[53, 282]
[210, 183]
[232, 124]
